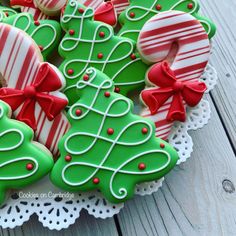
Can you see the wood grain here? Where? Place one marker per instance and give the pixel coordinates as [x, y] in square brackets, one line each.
[224, 59]
[197, 198]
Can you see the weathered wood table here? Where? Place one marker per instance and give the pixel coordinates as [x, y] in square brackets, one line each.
[198, 197]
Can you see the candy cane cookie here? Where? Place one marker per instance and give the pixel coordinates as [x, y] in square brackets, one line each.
[32, 87]
[120, 5]
[176, 81]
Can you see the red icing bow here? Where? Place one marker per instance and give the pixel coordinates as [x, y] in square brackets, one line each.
[46, 81]
[106, 13]
[168, 86]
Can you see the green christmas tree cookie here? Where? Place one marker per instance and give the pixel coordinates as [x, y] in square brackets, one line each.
[140, 11]
[92, 43]
[22, 162]
[108, 147]
[5, 12]
[46, 33]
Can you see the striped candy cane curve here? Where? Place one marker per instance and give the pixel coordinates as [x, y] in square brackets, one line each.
[180, 39]
[20, 60]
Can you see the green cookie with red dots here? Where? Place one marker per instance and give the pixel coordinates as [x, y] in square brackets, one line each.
[22, 161]
[92, 43]
[46, 33]
[108, 147]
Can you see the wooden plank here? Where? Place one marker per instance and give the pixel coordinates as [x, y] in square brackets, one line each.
[224, 60]
[86, 225]
[197, 198]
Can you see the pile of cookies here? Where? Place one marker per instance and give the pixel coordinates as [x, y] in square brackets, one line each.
[74, 120]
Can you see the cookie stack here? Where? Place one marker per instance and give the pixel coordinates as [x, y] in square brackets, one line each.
[74, 118]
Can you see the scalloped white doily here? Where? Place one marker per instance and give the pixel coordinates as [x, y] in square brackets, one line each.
[57, 209]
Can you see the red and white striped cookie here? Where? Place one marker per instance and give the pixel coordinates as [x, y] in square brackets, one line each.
[120, 5]
[32, 87]
[51, 7]
[157, 42]
[29, 7]
[91, 3]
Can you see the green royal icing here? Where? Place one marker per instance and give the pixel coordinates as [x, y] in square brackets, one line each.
[46, 33]
[5, 12]
[91, 43]
[22, 162]
[108, 147]
[140, 11]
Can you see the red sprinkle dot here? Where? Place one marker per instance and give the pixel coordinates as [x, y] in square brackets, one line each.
[36, 23]
[68, 158]
[162, 145]
[102, 34]
[110, 131]
[142, 166]
[133, 56]
[71, 32]
[107, 94]
[158, 7]
[29, 166]
[144, 130]
[6, 13]
[70, 72]
[81, 10]
[190, 6]
[100, 55]
[86, 77]
[78, 112]
[41, 47]
[117, 89]
[96, 180]
[132, 14]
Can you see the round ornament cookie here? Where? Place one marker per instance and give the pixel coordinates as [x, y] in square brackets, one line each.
[108, 147]
[97, 47]
[22, 161]
[38, 30]
[174, 83]
[32, 87]
[50, 7]
[30, 7]
[140, 11]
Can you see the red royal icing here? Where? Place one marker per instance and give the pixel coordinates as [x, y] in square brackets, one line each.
[182, 92]
[106, 13]
[46, 81]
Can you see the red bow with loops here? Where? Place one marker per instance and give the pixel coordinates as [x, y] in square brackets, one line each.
[46, 81]
[164, 78]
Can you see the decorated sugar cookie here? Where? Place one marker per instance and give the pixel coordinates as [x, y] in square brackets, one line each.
[91, 3]
[140, 11]
[5, 12]
[97, 47]
[120, 5]
[50, 7]
[45, 33]
[106, 13]
[108, 147]
[30, 7]
[22, 161]
[175, 82]
[32, 86]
